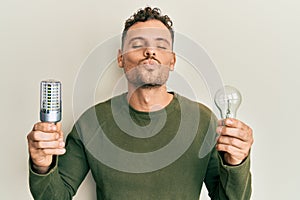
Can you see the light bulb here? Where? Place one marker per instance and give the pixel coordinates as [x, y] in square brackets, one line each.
[228, 100]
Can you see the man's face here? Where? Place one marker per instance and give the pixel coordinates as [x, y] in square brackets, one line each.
[147, 55]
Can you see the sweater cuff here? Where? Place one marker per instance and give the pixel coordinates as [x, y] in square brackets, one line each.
[245, 165]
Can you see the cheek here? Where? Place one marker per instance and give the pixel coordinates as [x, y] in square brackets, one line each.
[166, 60]
[131, 59]
[128, 65]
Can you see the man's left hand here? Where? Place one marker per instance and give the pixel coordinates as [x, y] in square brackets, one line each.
[235, 140]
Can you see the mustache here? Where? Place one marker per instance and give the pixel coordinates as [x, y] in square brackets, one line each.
[150, 57]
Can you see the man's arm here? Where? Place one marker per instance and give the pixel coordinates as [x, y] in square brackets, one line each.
[228, 175]
[63, 176]
[228, 182]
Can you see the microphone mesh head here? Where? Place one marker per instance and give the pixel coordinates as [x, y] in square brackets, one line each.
[50, 105]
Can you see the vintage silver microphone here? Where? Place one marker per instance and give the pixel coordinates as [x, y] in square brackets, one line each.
[50, 101]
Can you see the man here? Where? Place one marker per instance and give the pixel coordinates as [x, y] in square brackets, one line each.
[143, 121]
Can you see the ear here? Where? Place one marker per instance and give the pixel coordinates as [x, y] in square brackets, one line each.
[120, 58]
[173, 61]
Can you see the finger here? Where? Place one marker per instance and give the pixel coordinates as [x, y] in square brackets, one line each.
[235, 123]
[59, 130]
[232, 151]
[45, 127]
[226, 140]
[233, 132]
[38, 153]
[60, 151]
[221, 122]
[43, 136]
[58, 126]
[48, 145]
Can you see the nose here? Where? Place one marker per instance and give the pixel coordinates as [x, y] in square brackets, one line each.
[149, 52]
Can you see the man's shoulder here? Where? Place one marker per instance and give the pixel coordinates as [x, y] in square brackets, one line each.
[193, 103]
[99, 113]
[108, 103]
[104, 107]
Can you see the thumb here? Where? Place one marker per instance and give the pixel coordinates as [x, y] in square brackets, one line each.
[58, 126]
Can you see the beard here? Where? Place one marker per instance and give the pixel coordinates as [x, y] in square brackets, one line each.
[148, 76]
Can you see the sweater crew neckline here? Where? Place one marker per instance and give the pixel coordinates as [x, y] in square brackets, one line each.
[169, 108]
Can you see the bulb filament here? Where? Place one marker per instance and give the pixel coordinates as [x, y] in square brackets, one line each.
[228, 113]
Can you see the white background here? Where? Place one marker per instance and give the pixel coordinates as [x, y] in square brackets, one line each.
[254, 44]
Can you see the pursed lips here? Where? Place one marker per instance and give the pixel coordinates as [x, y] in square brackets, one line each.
[150, 63]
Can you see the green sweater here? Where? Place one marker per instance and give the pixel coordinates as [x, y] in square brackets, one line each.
[166, 154]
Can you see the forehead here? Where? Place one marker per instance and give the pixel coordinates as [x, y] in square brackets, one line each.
[148, 29]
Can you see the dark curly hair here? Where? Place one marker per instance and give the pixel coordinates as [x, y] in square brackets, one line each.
[146, 14]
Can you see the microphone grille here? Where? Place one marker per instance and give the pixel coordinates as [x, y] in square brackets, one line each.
[50, 104]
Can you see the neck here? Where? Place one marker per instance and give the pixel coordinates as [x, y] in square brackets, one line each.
[148, 98]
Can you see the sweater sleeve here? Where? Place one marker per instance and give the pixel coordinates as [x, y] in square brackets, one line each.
[228, 182]
[66, 175]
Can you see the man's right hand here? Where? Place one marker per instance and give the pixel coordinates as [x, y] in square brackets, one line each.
[44, 141]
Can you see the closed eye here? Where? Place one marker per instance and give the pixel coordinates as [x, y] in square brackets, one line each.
[161, 47]
[136, 46]
[137, 42]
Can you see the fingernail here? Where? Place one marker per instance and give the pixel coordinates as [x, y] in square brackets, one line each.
[61, 144]
[53, 127]
[62, 151]
[229, 121]
[219, 129]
